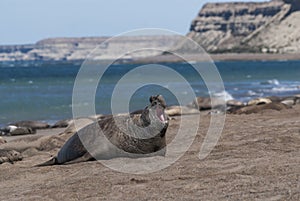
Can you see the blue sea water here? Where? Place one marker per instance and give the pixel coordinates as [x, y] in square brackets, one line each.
[43, 91]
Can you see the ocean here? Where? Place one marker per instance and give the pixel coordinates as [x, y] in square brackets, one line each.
[43, 91]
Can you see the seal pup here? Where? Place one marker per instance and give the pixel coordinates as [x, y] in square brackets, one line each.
[133, 135]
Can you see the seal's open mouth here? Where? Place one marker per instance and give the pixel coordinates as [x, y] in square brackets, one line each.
[160, 114]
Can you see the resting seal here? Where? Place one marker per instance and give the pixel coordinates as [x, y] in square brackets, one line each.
[14, 130]
[258, 108]
[259, 101]
[31, 124]
[131, 135]
[7, 130]
[180, 110]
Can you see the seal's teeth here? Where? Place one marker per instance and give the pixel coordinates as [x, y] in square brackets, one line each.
[162, 118]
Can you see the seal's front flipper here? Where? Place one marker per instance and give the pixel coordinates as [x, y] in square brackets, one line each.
[52, 161]
[84, 158]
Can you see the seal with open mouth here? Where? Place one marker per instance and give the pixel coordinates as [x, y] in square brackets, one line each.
[133, 135]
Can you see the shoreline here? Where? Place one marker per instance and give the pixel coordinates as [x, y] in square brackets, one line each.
[255, 57]
[230, 57]
[204, 103]
[52, 122]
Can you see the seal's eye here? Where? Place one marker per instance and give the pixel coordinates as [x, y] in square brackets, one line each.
[154, 103]
[152, 99]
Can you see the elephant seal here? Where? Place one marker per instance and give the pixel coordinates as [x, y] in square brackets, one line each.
[234, 103]
[259, 101]
[31, 124]
[14, 130]
[62, 123]
[8, 129]
[259, 108]
[133, 135]
[287, 100]
[22, 131]
[181, 110]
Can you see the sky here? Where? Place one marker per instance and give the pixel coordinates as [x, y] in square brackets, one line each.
[28, 21]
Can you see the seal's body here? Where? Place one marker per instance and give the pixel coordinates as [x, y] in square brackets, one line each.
[134, 135]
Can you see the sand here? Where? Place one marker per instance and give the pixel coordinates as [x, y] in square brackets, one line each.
[256, 158]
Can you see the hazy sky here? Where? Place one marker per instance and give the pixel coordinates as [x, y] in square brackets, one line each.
[27, 21]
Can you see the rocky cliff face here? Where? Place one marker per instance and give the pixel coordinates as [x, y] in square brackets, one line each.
[248, 27]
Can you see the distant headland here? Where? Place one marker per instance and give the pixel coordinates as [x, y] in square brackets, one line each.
[228, 31]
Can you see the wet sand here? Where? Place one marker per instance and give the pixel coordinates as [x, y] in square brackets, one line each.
[256, 158]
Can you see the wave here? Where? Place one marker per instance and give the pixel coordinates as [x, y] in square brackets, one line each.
[253, 93]
[283, 89]
[271, 82]
[224, 94]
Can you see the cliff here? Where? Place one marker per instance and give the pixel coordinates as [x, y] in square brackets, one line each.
[70, 49]
[248, 27]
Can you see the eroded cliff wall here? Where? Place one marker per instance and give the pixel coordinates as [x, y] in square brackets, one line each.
[70, 49]
[248, 27]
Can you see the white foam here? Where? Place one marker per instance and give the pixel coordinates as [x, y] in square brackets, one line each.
[253, 93]
[274, 82]
[284, 89]
[224, 94]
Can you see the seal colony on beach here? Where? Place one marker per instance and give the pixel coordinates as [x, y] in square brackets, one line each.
[133, 135]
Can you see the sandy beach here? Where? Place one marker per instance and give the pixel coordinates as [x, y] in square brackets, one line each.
[69, 68]
[256, 158]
